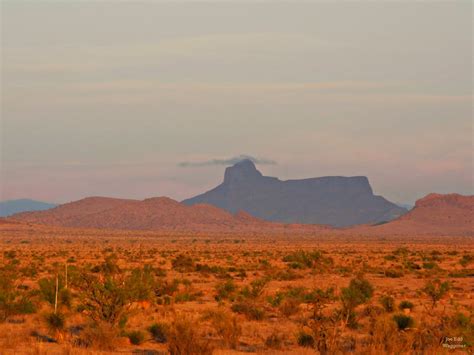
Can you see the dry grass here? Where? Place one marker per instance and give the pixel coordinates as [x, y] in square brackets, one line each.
[232, 293]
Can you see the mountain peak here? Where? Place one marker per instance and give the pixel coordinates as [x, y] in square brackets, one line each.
[243, 170]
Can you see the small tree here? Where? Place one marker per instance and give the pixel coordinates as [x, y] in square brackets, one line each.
[106, 299]
[358, 292]
[436, 290]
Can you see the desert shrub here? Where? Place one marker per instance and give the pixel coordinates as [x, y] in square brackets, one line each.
[275, 340]
[466, 259]
[287, 275]
[249, 309]
[410, 265]
[358, 292]
[99, 335]
[405, 305]
[388, 303]
[65, 297]
[47, 290]
[276, 300]
[183, 263]
[403, 322]
[141, 283]
[55, 321]
[302, 259]
[8, 294]
[158, 332]
[436, 290]
[319, 298]
[136, 337]
[289, 307]
[255, 289]
[106, 300]
[393, 273]
[184, 339]
[166, 288]
[226, 327]
[461, 320]
[110, 265]
[430, 265]
[372, 311]
[187, 296]
[25, 306]
[225, 290]
[402, 251]
[305, 339]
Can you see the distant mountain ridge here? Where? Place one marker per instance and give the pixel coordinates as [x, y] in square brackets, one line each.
[333, 200]
[10, 207]
[158, 213]
[433, 215]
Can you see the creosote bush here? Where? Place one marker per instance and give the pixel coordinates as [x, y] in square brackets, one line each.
[226, 326]
[436, 290]
[388, 303]
[406, 305]
[184, 338]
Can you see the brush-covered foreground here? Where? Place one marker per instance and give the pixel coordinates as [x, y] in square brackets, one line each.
[85, 291]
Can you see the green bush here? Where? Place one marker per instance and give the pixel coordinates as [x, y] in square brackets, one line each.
[403, 322]
[136, 337]
[303, 259]
[225, 290]
[25, 306]
[106, 300]
[358, 292]
[141, 284]
[250, 310]
[158, 332]
[306, 340]
[256, 288]
[436, 290]
[55, 321]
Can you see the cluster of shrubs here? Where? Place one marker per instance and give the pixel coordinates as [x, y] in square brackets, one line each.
[105, 295]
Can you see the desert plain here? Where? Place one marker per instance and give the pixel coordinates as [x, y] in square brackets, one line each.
[88, 291]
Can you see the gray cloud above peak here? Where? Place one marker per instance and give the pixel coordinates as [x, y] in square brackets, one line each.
[229, 161]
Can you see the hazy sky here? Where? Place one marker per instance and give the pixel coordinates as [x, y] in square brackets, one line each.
[145, 99]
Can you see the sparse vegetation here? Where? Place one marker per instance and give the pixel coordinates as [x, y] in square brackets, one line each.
[190, 296]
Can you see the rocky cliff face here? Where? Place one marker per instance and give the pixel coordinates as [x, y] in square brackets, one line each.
[333, 200]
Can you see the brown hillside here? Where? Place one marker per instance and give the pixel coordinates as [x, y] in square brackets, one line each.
[435, 214]
[160, 213]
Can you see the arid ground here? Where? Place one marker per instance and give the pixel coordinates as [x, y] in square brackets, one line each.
[157, 293]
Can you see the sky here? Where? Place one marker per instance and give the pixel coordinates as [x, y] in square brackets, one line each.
[141, 99]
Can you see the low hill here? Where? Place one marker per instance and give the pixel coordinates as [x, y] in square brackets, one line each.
[8, 208]
[435, 214]
[160, 213]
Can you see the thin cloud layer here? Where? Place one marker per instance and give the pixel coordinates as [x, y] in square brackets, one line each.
[230, 161]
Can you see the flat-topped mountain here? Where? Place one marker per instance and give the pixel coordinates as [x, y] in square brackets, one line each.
[332, 200]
